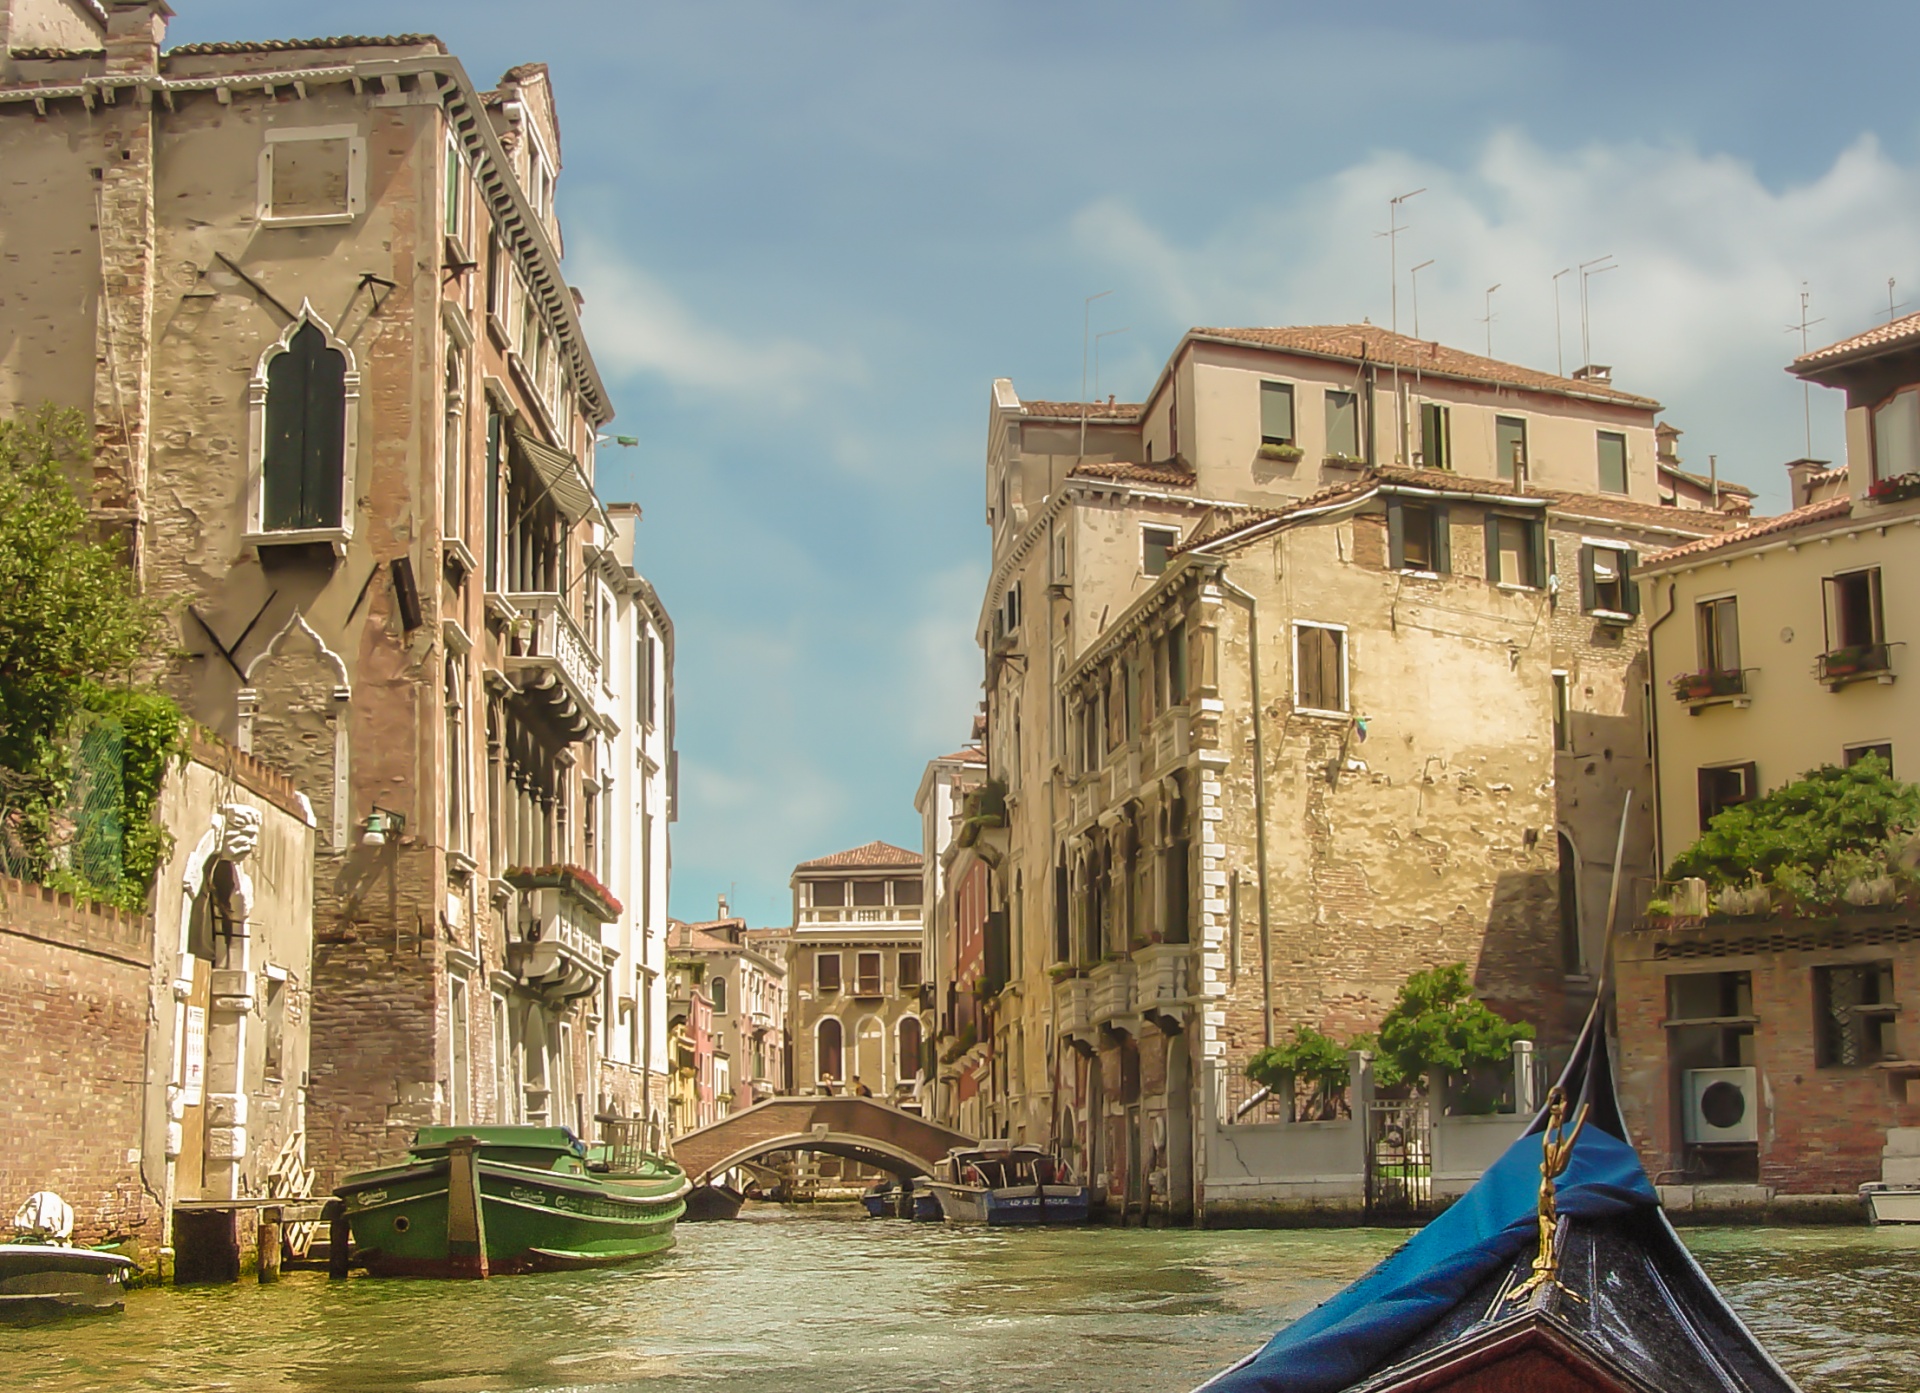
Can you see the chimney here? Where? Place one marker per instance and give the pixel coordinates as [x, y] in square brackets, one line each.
[1799, 490]
[135, 31]
[723, 909]
[1667, 444]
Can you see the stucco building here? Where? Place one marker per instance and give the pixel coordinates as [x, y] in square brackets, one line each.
[1321, 665]
[309, 297]
[1777, 649]
[953, 935]
[746, 987]
[855, 968]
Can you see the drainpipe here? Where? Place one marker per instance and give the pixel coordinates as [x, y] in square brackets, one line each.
[1259, 806]
[1653, 732]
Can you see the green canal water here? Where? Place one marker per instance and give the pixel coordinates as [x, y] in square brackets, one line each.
[828, 1301]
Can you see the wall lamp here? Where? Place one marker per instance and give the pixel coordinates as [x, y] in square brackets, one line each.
[381, 824]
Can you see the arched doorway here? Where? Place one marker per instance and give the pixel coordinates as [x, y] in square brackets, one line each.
[828, 1061]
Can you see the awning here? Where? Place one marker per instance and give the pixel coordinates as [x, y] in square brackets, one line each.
[559, 474]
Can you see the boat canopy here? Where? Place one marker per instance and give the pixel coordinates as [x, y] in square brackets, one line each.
[1628, 1298]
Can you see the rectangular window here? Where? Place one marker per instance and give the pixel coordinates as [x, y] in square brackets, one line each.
[1709, 996]
[1854, 1011]
[1436, 444]
[1613, 462]
[1717, 625]
[1515, 551]
[456, 178]
[1883, 751]
[1155, 543]
[459, 1064]
[274, 1021]
[1177, 664]
[1562, 739]
[497, 277]
[828, 893]
[1854, 618]
[909, 972]
[1509, 445]
[1418, 537]
[869, 893]
[1343, 425]
[826, 973]
[1276, 413]
[1319, 668]
[312, 175]
[866, 974]
[495, 483]
[1896, 435]
[906, 892]
[1725, 786]
[1607, 585]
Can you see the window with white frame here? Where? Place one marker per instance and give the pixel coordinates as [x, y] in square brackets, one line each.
[1320, 667]
[454, 449]
[1896, 435]
[455, 209]
[1276, 413]
[1156, 543]
[302, 403]
[312, 175]
[1607, 586]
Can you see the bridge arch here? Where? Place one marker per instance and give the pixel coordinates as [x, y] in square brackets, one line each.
[860, 1129]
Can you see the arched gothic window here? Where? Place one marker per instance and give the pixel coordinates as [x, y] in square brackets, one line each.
[459, 801]
[303, 452]
[717, 989]
[908, 1067]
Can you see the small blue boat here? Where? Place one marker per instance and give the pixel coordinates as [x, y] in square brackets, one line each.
[1557, 1271]
[908, 1198]
[999, 1182]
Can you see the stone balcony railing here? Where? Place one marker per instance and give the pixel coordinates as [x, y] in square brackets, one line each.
[1072, 1007]
[863, 916]
[1163, 977]
[561, 910]
[1112, 991]
[548, 654]
[1169, 740]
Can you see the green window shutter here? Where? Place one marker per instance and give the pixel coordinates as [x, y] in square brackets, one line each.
[1396, 535]
[1587, 599]
[1492, 529]
[1629, 587]
[306, 421]
[1537, 553]
[1442, 541]
[1276, 413]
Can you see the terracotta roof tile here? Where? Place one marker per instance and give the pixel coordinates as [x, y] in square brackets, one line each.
[1378, 345]
[872, 854]
[1095, 411]
[1702, 481]
[973, 754]
[1628, 510]
[1900, 332]
[294, 45]
[1800, 517]
[1170, 473]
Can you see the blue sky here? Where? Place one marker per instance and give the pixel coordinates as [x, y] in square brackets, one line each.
[811, 234]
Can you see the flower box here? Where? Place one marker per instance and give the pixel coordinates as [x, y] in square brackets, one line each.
[1286, 454]
[1895, 487]
[571, 880]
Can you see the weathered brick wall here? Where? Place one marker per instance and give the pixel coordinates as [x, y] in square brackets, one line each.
[74, 1008]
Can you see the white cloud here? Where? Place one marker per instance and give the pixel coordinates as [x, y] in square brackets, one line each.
[1711, 264]
[639, 326]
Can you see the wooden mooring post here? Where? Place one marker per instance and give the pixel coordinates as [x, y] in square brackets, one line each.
[267, 1241]
[339, 1241]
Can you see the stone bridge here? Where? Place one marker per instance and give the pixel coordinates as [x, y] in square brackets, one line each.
[857, 1128]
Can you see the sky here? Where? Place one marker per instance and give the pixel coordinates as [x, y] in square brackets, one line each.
[811, 234]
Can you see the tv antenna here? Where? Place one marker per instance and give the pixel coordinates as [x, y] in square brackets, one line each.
[1588, 270]
[1893, 310]
[1806, 388]
[1559, 353]
[1414, 276]
[1394, 228]
[1487, 318]
[1086, 338]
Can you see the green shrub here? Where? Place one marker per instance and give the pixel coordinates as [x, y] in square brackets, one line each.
[1437, 1027]
[1309, 1057]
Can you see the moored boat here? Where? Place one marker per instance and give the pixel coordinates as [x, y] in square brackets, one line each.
[480, 1201]
[42, 1274]
[906, 1198]
[1558, 1271]
[1891, 1204]
[712, 1202]
[1000, 1182]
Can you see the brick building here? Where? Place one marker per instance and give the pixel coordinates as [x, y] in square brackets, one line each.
[345, 411]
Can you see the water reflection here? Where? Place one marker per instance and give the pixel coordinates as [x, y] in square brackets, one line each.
[833, 1303]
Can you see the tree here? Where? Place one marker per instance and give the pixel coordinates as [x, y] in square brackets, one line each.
[1309, 1057]
[74, 631]
[1811, 836]
[1438, 1027]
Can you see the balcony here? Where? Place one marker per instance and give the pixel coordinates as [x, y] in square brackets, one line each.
[1711, 687]
[1112, 991]
[559, 953]
[1085, 799]
[1163, 973]
[550, 659]
[1171, 739]
[1860, 662]
[1073, 1008]
[866, 916]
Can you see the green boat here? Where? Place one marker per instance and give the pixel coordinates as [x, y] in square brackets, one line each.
[481, 1201]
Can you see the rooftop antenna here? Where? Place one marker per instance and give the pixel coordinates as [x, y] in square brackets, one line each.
[1086, 331]
[1414, 276]
[1487, 318]
[1806, 388]
[1394, 228]
[1096, 362]
[1559, 352]
[1588, 270]
[1893, 310]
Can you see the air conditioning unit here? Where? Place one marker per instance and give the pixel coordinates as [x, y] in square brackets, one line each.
[1721, 1105]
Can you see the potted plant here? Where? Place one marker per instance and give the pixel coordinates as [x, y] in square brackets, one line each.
[1895, 487]
[1309, 1058]
[1339, 461]
[1692, 686]
[1844, 662]
[1286, 452]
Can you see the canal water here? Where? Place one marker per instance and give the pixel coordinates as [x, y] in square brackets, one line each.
[828, 1301]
